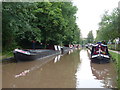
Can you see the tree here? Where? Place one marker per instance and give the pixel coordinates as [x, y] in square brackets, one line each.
[90, 37]
[46, 22]
[18, 24]
[109, 27]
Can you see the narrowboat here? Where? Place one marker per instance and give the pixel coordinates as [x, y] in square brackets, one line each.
[31, 54]
[99, 53]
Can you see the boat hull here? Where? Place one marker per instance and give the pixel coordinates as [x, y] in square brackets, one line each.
[34, 56]
[100, 59]
[23, 57]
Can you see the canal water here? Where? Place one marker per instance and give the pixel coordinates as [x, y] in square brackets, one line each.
[73, 70]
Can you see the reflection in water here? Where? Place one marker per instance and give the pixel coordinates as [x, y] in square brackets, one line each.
[106, 73]
[91, 75]
[71, 51]
[22, 73]
[57, 58]
[68, 71]
[55, 73]
[0, 75]
[85, 78]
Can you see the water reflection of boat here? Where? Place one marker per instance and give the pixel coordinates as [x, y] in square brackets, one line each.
[42, 73]
[57, 58]
[106, 73]
[70, 51]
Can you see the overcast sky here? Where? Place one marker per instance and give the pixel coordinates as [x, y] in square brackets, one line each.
[90, 12]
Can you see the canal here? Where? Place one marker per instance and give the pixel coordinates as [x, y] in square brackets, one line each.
[73, 70]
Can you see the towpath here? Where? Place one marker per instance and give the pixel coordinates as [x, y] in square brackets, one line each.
[118, 52]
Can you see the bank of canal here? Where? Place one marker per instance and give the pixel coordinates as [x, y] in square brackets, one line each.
[116, 56]
[72, 70]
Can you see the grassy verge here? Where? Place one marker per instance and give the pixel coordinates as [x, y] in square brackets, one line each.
[117, 58]
[7, 57]
[0, 56]
[7, 54]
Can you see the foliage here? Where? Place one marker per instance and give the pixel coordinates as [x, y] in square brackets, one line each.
[46, 22]
[18, 24]
[109, 27]
[90, 37]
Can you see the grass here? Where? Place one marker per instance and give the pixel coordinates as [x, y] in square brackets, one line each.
[117, 58]
[0, 57]
[7, 54]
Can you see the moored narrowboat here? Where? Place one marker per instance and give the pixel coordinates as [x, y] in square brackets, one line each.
[27, 55]
[99, 53]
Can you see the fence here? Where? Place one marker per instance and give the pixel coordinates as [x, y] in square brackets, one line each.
[114, 47]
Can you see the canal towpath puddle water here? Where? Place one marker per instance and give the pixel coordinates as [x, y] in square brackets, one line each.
[73, 70]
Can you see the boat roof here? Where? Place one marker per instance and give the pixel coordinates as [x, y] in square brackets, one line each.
[95, 45]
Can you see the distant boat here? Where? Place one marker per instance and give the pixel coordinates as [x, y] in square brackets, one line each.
[99, 53]
[27, 55]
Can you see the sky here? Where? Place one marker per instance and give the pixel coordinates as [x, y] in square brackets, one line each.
[90, 12]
